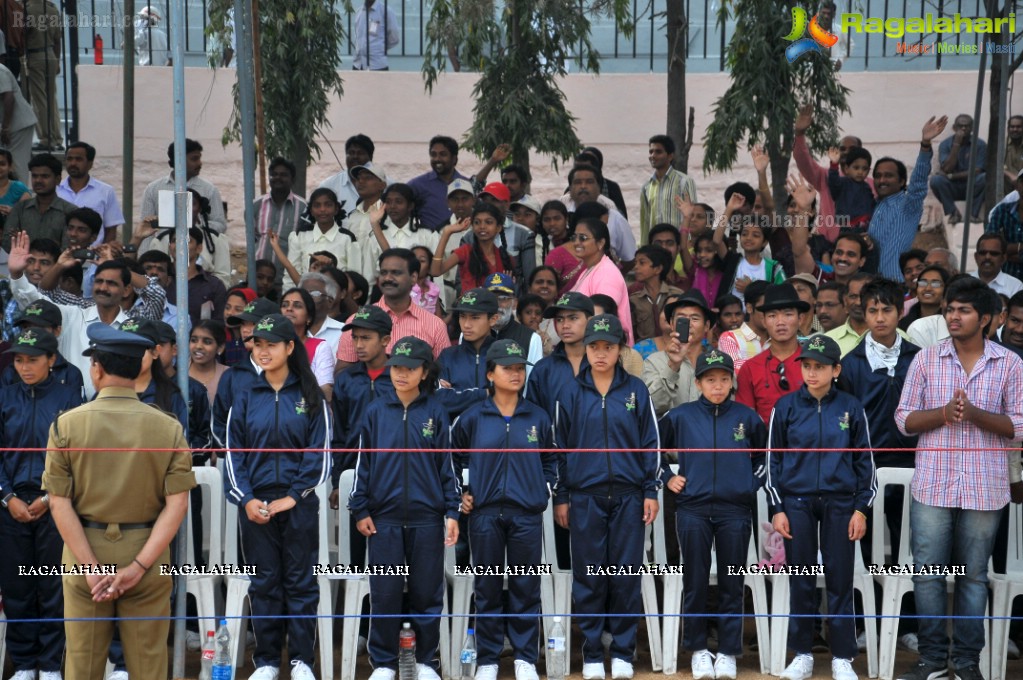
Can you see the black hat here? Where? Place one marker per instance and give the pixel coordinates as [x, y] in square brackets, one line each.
[691, 298]
[275, 328]
[33, 341]
[507, 353]
[42, 313]
[410, 352]
[821, 348]
[372, 318]
[156, 332]
[254, 311]
[708, 361]
[477, 301]
[104, 338]
[604, 327]
[570, 301]
[782, 296]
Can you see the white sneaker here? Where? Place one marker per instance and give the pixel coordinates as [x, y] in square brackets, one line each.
[264, 673]
[593, 671]
[703, 665]
[724, 667]
[193, 642]
[861, 641]
[841, 669]
[621, 669]
[383, 674]
[1011, 650]
[118, 675]
[488, 672]
[801, 668]
[909, 642]
[523, 671]
[426, 672]
[300, 671]
[50, 675]
[24, 675]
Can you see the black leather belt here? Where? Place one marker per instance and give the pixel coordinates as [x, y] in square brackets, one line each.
[35, 50]
[88, 524]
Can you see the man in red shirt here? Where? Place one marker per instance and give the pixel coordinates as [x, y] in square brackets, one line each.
[774, 372]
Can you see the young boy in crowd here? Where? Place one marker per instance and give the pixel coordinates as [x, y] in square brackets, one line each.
[651, 290]
[820, 481]
[463, 374]
[854, 198]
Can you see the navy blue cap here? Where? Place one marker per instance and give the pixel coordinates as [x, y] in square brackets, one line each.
[41, 313]
[254, 311]
[371, 318]
[501, 283]
[604, 327]
[708, 361]
[104, 338]
[507, 352]
[410, 352]
[570, 301]
[157, 332]
[33, 341]
[275, 328]
[477, 301]
[820, 347]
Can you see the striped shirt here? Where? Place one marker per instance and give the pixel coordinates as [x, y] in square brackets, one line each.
[960, 465]
[894, 223]
[280, 219]
[657, 200]
[1007, 221]
[741, 344]
[413, 321]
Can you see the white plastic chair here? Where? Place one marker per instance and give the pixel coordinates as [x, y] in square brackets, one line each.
[205, 588]
[862, 582]
[674, 590]
[3, 638]
[1005, 588]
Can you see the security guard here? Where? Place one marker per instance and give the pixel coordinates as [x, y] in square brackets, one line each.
[117, 472]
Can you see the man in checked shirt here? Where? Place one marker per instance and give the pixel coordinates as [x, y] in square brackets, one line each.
[962, 398]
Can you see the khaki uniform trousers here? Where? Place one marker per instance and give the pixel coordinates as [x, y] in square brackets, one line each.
[42, 92]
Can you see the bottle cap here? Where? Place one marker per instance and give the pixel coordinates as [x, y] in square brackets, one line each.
[209, 633]
[406, 625]
[472, 631]
[223, 622]
[557, 619]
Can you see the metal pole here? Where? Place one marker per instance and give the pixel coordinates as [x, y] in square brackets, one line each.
[181, 224]
[973, 153]
[128, 134]
[246, 105]
[257, 89]
[1003, 92]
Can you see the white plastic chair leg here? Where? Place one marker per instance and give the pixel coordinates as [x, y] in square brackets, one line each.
[355, 591]
[235, 607]
[671, 622]
[325, 627]
[653, 621]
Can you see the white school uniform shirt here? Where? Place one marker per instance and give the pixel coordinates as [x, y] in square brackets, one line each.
[302, 244]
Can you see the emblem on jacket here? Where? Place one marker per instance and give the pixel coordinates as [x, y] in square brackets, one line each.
[630, 403]
[531, 435]
[300, 407]
[843, 422]
[428, 428]
[739, 433]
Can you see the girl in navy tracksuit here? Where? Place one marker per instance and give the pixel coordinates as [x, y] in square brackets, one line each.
[27, 532]
[715, 505]
[606, 497]
[828, 491]
[511, 483]
[276, 493]
[463, 366]
[406, 503]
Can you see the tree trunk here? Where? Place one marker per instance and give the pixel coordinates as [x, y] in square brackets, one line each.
[300, 157]
[678, 39]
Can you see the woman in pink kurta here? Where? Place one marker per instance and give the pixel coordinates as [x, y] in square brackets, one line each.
[591, 243]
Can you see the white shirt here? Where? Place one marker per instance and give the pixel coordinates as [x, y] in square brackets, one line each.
[302, 244]
[73, 340]
[397, 237]
[151, 199]
[344, 188]
[371, 26]
[322, 362]
[1006, 284]
[928, 331]
[330, 333]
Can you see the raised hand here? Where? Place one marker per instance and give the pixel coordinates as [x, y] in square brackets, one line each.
[685, 207]
[17, 260]
[501, 153]
[760, 159]
[802, 192]
[735, 202]
[805, 118]
[934, 127]
[834, 155]
[376, 216]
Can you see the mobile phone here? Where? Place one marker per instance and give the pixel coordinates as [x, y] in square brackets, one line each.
[130, 248]
[682, 328]
[84, 254]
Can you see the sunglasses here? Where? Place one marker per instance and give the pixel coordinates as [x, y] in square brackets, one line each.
[582, 238]
[932, 283]
[783, 382]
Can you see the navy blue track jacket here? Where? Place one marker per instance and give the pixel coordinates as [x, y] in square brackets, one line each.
[465, 368]
[510, 475]
[354, 391]
[261, 418]
[414, 485]
[696, 429]
[63, 373]
[622, 419]
[26, 413]
[836, 422]
[236, 380]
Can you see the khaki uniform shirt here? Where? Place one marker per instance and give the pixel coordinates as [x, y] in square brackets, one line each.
[43, 27]
[127, 485]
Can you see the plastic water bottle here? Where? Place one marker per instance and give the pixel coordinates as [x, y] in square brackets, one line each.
[556, 651]
[407, 669]
[222, 668]
[468, 656]
[208, 652]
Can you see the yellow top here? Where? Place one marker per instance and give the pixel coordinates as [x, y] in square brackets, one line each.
[123, 486]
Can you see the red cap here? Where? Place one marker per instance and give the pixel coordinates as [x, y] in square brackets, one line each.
[498, 191]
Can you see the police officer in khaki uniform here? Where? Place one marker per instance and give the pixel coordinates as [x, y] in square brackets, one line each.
[44, 30]
[116, 501]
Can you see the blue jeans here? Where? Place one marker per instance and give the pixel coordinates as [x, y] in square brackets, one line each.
[951, 536]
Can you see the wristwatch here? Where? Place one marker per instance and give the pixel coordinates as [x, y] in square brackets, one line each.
[45, 499]
[7, 499]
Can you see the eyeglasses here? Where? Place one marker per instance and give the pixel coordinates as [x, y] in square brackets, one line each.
[932, 283]
[783, 382]
[582, 238]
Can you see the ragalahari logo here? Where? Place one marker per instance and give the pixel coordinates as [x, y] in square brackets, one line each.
[818, 41]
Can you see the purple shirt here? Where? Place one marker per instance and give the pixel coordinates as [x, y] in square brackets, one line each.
[99, 196]
[433, 192]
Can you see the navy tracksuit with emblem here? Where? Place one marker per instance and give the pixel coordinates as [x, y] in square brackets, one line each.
[606, 490]
[549, 377]
[819, 491]
[465, 368]
[511, 483]
[63, 373]
[236, 379]
[715, 508]
[408, 493]
[26, 413]
[283, 551]
[354, 391]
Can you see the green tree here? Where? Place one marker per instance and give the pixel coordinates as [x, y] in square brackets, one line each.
[520, 54]
[300, 48]
[761, 104]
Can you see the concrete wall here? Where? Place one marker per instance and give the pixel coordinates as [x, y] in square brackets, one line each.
[618, 113]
